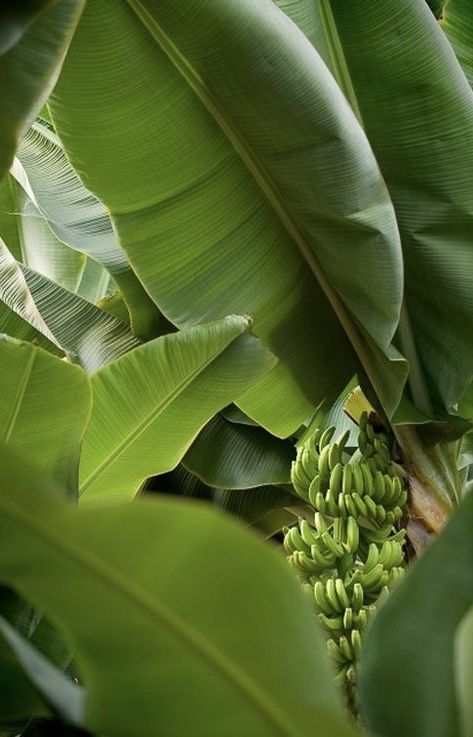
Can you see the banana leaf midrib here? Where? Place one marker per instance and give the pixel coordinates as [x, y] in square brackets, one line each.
[249, 690]
[264, 181]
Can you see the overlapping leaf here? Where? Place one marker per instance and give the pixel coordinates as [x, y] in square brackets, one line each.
[237, 456]
[150, 404]
[239, 181]
[402, 79]
[29, 65]
[190, 614]
[77, 218]
[87, 333]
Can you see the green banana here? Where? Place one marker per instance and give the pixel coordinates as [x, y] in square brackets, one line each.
[349, 557]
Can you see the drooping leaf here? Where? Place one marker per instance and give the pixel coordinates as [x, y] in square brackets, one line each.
[150, 404]
[154, 633]
[239, 181]
[45, 253]
[44, 408]
[407, 667]
[458, 25]
[67, 321]
[236, 456]
[77, 218]
[15, 326]
[252, 505]
[29, 65]
[419, 121]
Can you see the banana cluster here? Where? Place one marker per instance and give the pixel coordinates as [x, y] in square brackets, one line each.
[351, 552]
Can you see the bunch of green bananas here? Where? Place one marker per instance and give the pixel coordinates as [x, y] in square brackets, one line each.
[352, 552]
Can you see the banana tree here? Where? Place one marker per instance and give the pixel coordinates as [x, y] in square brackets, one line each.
[306, 164]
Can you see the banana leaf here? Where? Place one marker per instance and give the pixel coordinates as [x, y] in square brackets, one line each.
[44, 407]
[239, 181]
[149, 405]
[201, 627]
[407, 666]
[419, 120]
[235, 456]
[77, 218]
[33, 45]
[63, 319]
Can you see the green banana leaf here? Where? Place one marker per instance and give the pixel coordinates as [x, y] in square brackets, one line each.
[44, 408]
[97, 283]
[77, 218]
[249, 505]
[45, 253]
[12, 324]
[33, 47]
[407, 666]
[63, 319]
[419, 120]
[149, 405]
[235, 456]
[253, 505]
[239, 180]
[457, 23]
[181, 601]
[64, 696]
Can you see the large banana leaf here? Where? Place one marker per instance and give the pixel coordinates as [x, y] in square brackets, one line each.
[419, 121]
[182, 623]
[33, 48]
[149, 405]
[63, 319]
[44, 408]
[457, 23]
[77, 218]
[239, 180]
[407, 667]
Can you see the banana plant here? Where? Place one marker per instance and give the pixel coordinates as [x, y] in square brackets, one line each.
[293, 176]
[306, 169]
